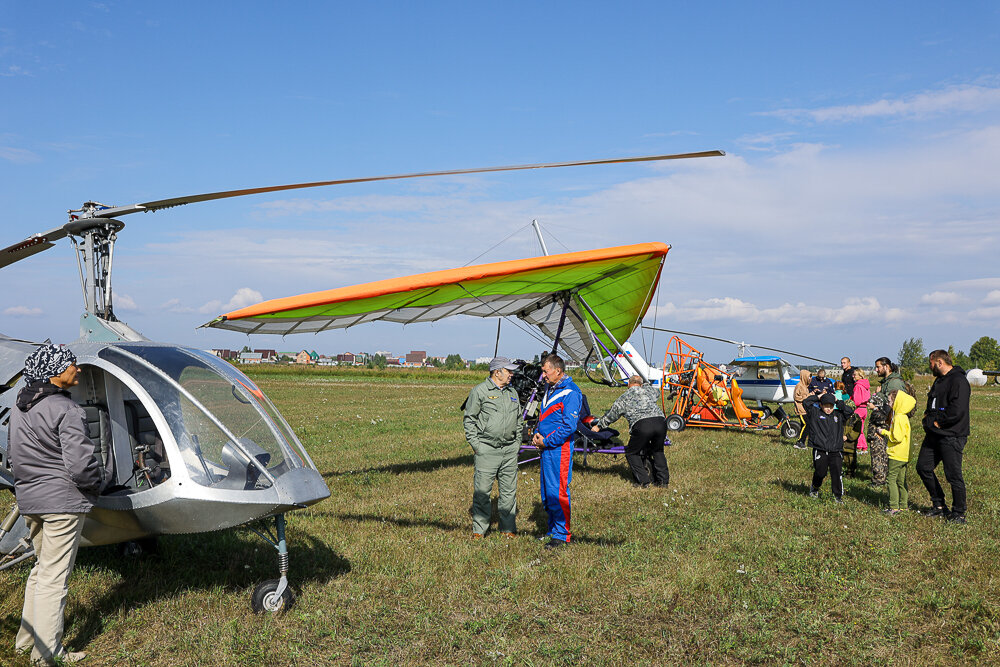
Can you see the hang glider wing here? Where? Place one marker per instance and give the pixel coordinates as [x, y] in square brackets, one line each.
[616, 283]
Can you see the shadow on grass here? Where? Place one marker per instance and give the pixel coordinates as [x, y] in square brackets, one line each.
[401, 522]
[192, 562]
[399, 468]
[799, 488]
[540, 518]
[537, 517]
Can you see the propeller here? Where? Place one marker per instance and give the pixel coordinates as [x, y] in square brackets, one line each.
[91, 210]
[741, 344]
[190, 199]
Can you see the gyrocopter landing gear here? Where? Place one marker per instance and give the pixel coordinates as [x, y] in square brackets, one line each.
[274, 596]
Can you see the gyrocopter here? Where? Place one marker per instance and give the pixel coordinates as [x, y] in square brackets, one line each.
[189, 443]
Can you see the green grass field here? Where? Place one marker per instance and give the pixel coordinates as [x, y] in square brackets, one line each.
[732, 564]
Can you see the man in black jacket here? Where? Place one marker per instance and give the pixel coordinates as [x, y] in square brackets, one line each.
[825, 417]
[946, 424]
[848, 377]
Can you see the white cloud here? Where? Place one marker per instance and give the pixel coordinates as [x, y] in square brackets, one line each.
[853, 311]
[22, 311]
[955, 99]
[941, 298]
[123, 302]
[18, 155]
[244, 297]
[993, 298]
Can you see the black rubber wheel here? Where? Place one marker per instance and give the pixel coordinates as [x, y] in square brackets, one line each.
[675, 423]
[264, 600]
[765, 412]
[140, 548]
[790, 430]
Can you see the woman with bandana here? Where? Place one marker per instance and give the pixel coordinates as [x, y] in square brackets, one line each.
[56, 477]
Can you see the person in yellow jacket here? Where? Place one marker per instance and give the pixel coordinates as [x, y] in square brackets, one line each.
[898, 435]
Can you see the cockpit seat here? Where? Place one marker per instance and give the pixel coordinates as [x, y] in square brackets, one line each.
[99, 429]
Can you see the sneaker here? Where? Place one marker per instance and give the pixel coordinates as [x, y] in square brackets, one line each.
[955, 517]
[839, 501]
[892, 512]
[555, 544]
[477, 536]
[938, 511]
[813, 493]
[799, 445]
[509, 536]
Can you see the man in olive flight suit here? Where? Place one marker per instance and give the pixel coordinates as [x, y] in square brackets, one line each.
[493, 423]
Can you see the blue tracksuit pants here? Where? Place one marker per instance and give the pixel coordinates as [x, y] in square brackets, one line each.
[556, 474]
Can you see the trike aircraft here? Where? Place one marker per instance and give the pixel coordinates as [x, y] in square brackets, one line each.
[699, 394]
[188, 442]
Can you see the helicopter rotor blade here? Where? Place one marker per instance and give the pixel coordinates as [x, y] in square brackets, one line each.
[759, 347]
[688, 333]
[158, 204]
[32, 245]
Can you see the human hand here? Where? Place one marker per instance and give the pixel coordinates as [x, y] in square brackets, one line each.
[537, 440]
[595, 429]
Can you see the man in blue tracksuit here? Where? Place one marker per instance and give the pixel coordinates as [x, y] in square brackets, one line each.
[560, 412]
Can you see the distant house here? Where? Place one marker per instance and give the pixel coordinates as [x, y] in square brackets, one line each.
[303, 357]
[483, 360]
[415, 358]
[228, 355]
[267, 356]
[250, 357]
[394, 361]
[346, 358]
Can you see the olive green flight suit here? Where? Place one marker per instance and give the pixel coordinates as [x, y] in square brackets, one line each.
[493, 428]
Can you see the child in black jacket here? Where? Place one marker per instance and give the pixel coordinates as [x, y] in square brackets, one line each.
[825, 418]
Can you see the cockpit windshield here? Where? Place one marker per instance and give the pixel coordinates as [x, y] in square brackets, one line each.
[227, 431]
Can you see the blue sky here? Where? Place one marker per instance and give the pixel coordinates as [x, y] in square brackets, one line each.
[858, 204]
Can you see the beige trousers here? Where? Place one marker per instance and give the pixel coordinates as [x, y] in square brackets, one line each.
[56, 539]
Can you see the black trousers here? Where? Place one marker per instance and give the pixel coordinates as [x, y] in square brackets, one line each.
[645, 444]
[832, 461]
[948, 450]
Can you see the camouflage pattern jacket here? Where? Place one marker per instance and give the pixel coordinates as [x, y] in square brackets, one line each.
[635, 404]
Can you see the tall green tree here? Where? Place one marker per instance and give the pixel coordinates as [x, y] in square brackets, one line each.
[912, 357]
[985, 353]
[960, 358]
[453, 362]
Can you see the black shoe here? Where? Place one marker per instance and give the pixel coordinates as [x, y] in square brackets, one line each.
[955, 517]
[938, 511]
[813, 493]
[555, 544]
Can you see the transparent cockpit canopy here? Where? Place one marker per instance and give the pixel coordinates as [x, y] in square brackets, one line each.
[225, 428]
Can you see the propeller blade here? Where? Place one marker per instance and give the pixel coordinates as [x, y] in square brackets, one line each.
[116, 211]
[759, 347]
[32, 245]
[688, 333]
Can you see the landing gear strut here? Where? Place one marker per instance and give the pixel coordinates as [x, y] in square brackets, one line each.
[274, 596]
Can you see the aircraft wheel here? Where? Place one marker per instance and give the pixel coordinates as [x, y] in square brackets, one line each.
[264, 599]
[146, 546]
[765, 412]
[790, 430]
[675, 423]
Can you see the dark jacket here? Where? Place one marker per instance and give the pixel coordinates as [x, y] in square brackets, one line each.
[826, 431]
[55, 469]
[825, 385]
[948, 405]
[848, 379]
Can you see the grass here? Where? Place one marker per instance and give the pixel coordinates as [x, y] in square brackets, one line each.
[732, 564]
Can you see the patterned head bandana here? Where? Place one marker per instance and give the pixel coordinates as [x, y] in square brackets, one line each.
[47, 362]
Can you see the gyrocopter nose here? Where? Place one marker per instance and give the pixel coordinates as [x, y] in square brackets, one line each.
[301, 487]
